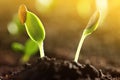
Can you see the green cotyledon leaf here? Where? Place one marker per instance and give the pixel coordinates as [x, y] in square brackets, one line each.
[92, 24]
[31, 49]
[34, 27]
[17, 46]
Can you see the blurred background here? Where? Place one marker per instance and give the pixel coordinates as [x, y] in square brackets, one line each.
[64, 21]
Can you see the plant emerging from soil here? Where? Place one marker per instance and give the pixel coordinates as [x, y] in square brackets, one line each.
[90, 28]
[36, 30]
[33, 26]
[93, 23]
[29, 49]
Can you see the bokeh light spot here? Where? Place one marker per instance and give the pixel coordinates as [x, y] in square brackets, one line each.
[84, 8]
[12, 28]
[44, 6]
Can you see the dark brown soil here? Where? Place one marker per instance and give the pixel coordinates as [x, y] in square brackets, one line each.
[52, 69]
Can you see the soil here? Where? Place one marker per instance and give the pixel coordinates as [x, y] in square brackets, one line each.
[54, 69]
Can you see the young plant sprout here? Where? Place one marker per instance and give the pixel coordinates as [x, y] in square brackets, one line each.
[30, 48]
[33, 26]
[90, 28]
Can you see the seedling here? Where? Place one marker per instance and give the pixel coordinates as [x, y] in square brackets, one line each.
[90, 28]
[33, 26]
[29, 49]
[36, 30]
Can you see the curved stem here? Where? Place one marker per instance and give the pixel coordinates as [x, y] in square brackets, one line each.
[79, 47]
[41, 50]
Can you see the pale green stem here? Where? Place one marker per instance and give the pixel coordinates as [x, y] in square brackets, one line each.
[79, 47]
[41, 49]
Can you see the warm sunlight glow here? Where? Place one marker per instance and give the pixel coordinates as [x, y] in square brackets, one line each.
[102, 5]
[45, 2]
[84, 8]
[43, 5]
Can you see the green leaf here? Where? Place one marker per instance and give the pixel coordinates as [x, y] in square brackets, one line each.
[17, 46]
[30, 47]
[92, 24]
[34, 27]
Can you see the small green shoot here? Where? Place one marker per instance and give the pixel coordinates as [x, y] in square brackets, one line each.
[17, 46]
[34, 27]
[91, 27]
[29, 49]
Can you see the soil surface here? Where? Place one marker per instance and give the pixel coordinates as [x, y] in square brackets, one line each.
[53, 69]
